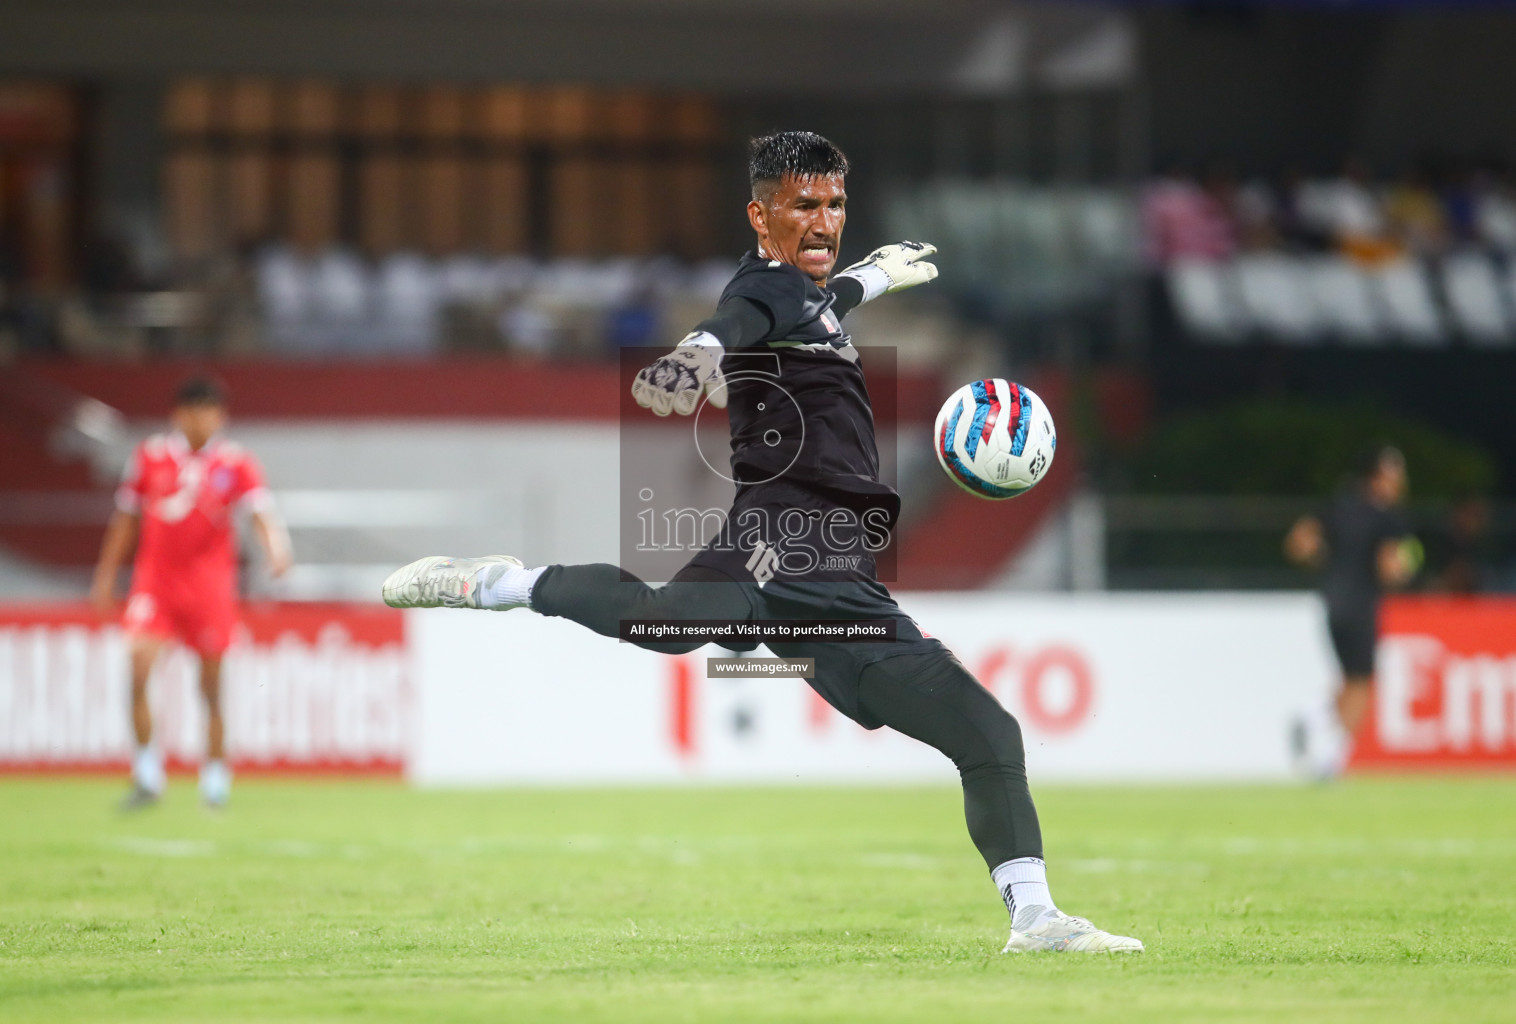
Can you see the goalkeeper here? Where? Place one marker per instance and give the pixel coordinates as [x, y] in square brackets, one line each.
[807, 472]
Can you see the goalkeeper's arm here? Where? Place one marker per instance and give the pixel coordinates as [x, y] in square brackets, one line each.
[737, 322]
[675, 382]
[888, 269]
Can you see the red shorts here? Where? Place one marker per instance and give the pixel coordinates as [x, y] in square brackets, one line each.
[204, 626]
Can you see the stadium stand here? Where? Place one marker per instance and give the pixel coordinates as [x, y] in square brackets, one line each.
[1475, 299]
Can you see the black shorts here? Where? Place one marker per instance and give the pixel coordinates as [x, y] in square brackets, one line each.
[803, 554]
[1355, 635]
[783, 531]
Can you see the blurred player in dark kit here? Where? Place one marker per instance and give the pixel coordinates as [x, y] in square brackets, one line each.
[804, 452]
[176, 506]
[1363, 546]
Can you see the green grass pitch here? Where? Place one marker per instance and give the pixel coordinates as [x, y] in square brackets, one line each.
[1375, 900]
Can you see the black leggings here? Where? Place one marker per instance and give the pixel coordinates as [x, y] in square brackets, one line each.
[600, 596]
[925, 694]
[934, 699]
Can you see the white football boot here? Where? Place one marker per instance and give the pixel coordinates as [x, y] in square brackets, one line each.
[1057, 932]
[442, 582]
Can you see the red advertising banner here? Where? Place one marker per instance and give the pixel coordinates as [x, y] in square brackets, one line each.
[1445, 690]
[304, 688]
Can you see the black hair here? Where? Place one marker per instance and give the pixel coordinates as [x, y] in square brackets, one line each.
[802, 154]
[200, 391]
[1375, 458]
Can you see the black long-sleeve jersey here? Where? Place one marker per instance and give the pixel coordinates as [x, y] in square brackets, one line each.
[797, 402]
[1355, 528]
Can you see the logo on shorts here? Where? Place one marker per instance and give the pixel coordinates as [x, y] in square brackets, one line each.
[764, 562]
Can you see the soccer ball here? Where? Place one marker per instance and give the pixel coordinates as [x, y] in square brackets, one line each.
[995, 438]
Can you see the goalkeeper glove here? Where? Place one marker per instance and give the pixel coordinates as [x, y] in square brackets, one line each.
[675, 382]
[893, 268]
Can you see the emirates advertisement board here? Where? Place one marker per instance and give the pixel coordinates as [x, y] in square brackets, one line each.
[1445, 691]
[1106, 687]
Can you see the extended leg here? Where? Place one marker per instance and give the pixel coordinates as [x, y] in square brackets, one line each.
[144, 653]
[147, 764]
[215, 777]
[933, 698]
[598, 596]
[1353, 703]
[210, 690]
[1329, 734]
[1355, 635]
[602, 596]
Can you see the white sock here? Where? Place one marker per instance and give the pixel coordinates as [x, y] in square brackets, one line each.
[503, 587]
[1327, 743]
[1023, 884]
[1336, 747]
[215, 781]
[147, 769]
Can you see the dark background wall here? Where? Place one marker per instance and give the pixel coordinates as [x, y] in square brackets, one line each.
[875, 73]
[1260, 84]
[803, 48]
[1264, 86]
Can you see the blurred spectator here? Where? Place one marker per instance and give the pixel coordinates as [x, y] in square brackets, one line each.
[1184, 222]
[1347, 210]
[1416, 214]
[635, 322]
[1430, 213]
[336, 300]
[1466, 558]
[1259, 216]
[1495, 213]
[282, 287]
[340, 299]
[408, 306]
[1459, 194]
[528, 330]
[1273, 217]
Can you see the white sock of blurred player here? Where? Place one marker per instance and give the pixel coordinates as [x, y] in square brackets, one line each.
[215, 783]
[1336, 746]
[503, 587]
[1023, 884]
[147, 770]
[1322, 745]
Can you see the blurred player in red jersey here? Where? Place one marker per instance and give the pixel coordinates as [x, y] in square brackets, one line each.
[176, 504]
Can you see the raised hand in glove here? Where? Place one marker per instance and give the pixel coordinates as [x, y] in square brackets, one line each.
[675, 382]
[893, 268]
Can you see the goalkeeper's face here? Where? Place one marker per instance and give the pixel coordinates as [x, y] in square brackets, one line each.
[800, 222]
